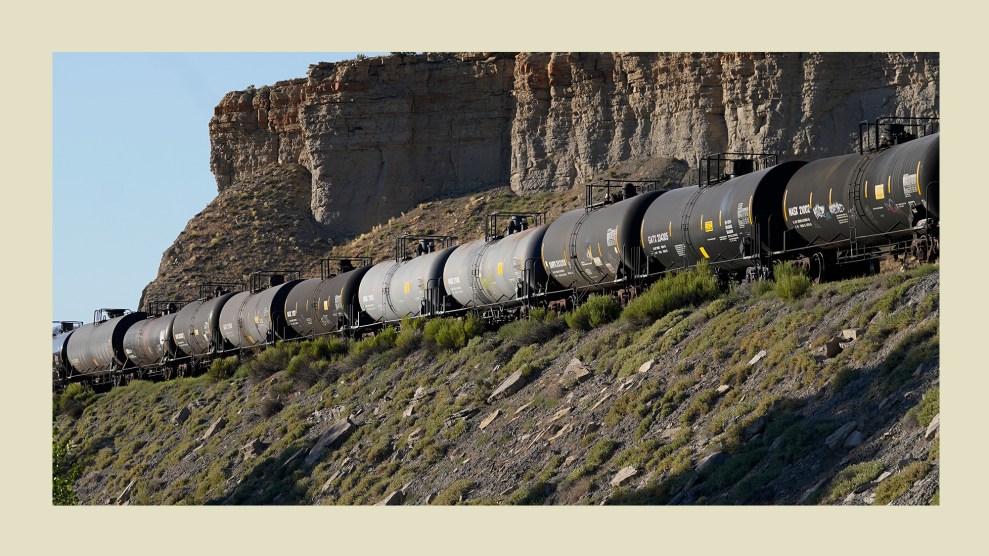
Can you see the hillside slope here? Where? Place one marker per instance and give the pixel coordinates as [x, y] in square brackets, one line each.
[740, 405]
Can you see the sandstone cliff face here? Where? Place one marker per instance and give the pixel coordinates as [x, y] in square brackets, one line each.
[579, 114]
[380, 135]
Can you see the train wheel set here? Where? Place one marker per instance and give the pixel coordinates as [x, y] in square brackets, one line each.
[747, 212]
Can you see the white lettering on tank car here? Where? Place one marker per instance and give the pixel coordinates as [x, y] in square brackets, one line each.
[909, 184]
[657, 238]
[743, 215]
[612, 237]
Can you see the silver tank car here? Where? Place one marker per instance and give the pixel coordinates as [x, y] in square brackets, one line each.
[886, 193]
[197, 326]
[60, 358]
[460, 275]
[395, 290]
[583, 249]
[482, 273]
[513, 265]
[724, 224]
[150, 341]
[99, 347]
[251, 319]
[318, 306]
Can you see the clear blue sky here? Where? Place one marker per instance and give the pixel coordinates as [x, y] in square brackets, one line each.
[130, 161]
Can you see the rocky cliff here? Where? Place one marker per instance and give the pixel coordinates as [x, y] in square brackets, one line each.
[367, 140]
[380, 135]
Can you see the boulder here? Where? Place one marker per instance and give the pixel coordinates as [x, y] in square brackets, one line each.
[837, 437]
[710, 461]
[644, 368]
[758, 357]
[933, 427]
[181, 416]
[623, 475]
[832, 348]
[396, 498]
[253, 448]
[213, 429]
[853, 439]
[338, 432]
[575, 373]
[509, 386]
[489, 419]
[723, 388]
[851, 334]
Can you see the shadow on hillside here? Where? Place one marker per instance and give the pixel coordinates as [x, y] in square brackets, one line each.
[274, 480]
[784, 459]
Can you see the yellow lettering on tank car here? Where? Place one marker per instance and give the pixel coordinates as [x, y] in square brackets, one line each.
[407, 287]
[501, 268]
[879, 192]
[703, 252]
[709, 226]
[326, 304]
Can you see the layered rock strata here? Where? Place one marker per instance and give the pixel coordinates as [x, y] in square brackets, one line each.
[380, 135]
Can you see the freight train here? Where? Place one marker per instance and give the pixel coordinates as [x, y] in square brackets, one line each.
[745, 214]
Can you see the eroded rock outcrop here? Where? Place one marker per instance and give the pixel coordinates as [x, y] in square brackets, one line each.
[380, 135]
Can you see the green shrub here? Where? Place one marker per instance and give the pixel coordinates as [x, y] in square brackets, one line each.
[929, 407]
[790, 281]
[597, 310]
[451, 333]
[539, 327]
[64, 473]
[75, 399]
[598, 455]
[270, 361]
[898, 485]
[850, 478]
[529, 496]
[674, 291]
[223, 368]
[379, 343]
[454, 493]
[409, 335]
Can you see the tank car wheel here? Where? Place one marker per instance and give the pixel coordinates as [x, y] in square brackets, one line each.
[818, 268]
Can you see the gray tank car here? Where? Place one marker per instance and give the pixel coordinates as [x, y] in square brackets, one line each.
[317, 306]
[151, 342]
[99, 347]
[197, 326]
[252, 319]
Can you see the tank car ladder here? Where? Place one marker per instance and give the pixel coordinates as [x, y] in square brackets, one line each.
[688, 245]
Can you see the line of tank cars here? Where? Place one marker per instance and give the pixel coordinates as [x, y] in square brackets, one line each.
[825, 213]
